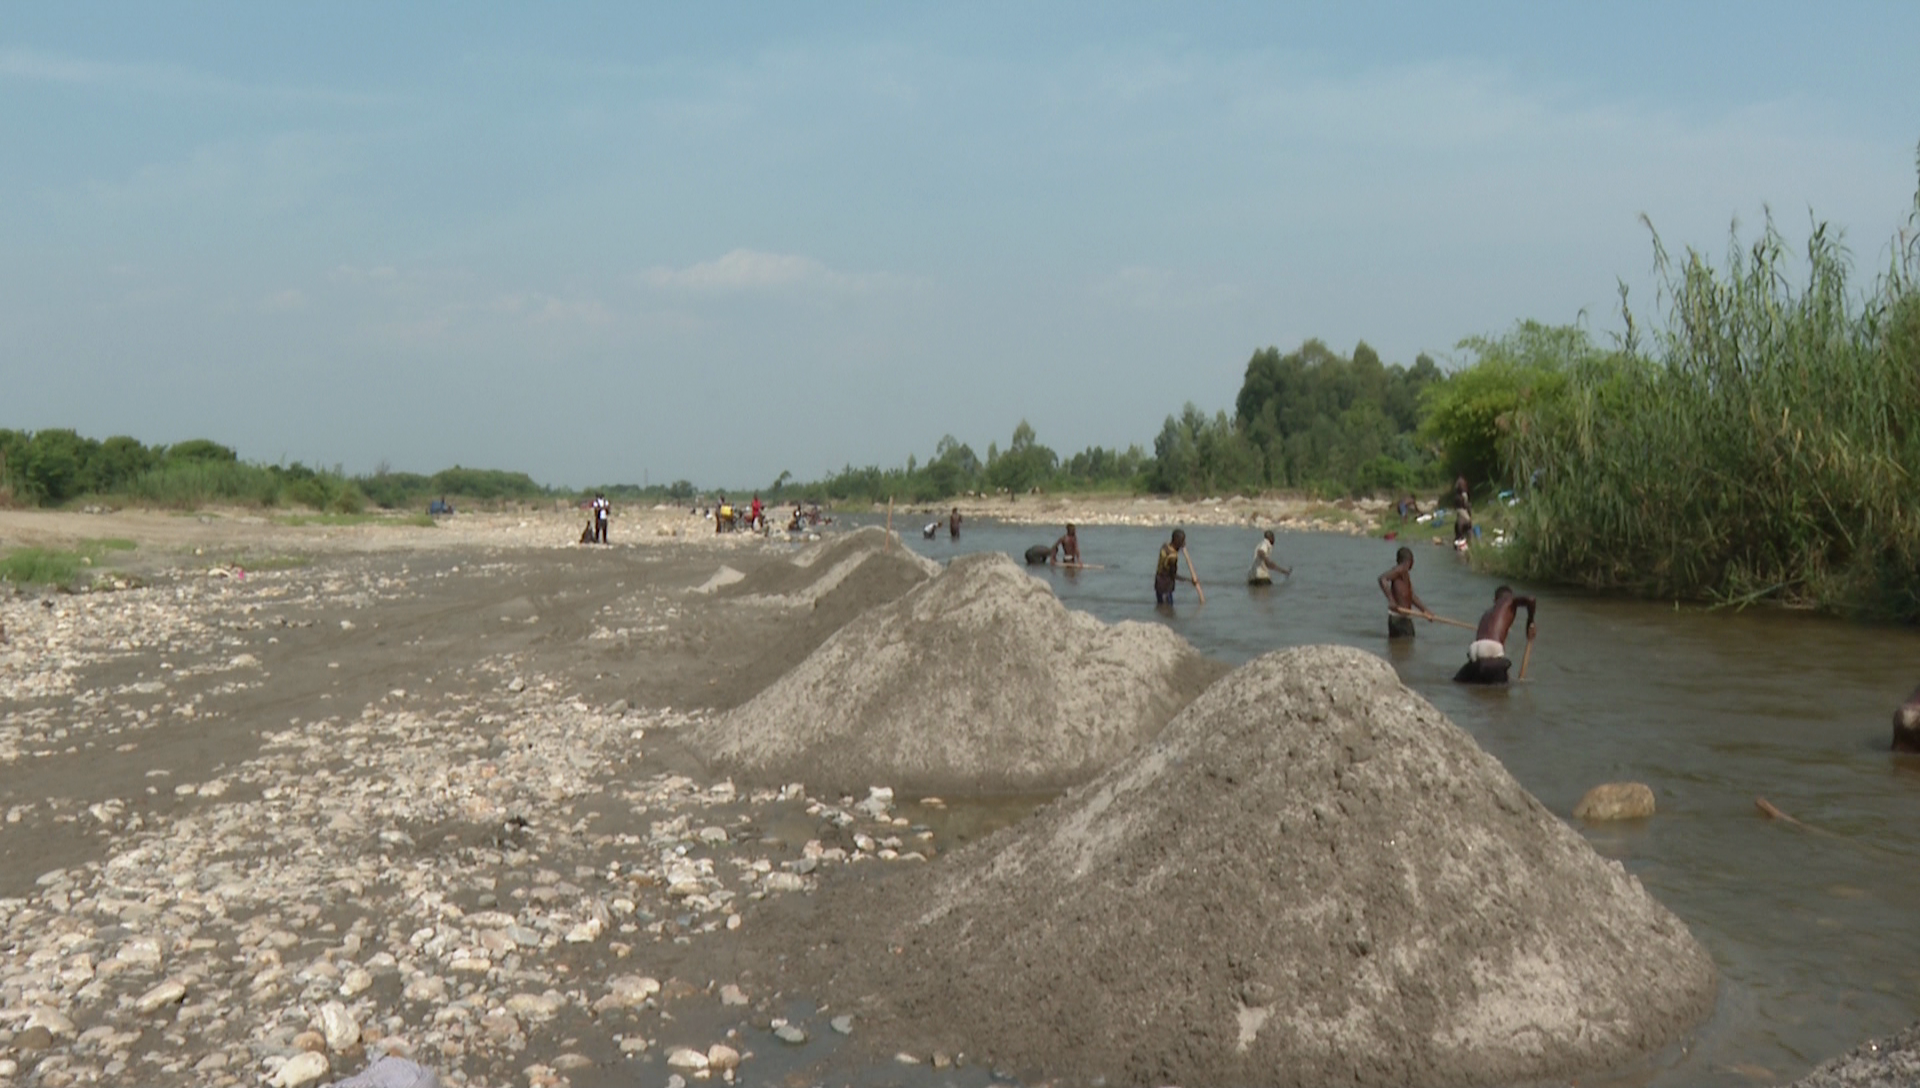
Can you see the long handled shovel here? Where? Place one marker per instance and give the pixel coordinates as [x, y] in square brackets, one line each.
[1526, 657]
[1194, 575]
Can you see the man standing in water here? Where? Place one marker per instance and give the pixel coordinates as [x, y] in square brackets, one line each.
[1263, 564]
[1487, 657]
[953, 524]
[1066, 549]
[1397, 585]
[1167, 571]
[1462, 515]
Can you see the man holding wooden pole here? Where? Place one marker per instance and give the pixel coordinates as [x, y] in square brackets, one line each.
[1402, 602]
[1487, 661]
[1167, 571]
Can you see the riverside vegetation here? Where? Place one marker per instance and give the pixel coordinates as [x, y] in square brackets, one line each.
[1756, 445]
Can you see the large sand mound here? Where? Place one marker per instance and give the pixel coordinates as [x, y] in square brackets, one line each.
[979, 681]
[1311, 877]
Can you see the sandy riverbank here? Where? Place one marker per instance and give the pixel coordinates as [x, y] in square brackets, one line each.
[1354, 516]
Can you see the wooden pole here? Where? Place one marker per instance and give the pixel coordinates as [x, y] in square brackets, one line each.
[889, 521]
[1194, 575]
[1435, 619]
[1526, 657]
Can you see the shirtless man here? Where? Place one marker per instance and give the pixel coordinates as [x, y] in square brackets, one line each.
[1487, 658]
[953, 525]
[1397, 585]
[1066, 549]
[1906, 721]
[1263, 564]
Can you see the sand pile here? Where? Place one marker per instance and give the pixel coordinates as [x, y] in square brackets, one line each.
[1310, 877]
[822, 568]
[979, 681]
[816, 594]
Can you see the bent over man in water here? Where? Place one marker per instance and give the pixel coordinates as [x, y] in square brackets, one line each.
[1487, 657]
[1397, 585]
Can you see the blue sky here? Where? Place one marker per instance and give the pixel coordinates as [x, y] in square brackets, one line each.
[715, 242]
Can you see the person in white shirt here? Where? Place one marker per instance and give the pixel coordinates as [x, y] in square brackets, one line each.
[1263, 564]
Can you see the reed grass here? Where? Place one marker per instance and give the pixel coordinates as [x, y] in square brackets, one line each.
[1767, 447]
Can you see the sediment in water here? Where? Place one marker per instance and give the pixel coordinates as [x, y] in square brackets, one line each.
[1310, 877]
[979, 681]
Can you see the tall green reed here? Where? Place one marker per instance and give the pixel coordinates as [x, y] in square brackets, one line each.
[1766, 446]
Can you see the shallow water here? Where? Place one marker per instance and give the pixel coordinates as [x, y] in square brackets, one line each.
[1813, 930]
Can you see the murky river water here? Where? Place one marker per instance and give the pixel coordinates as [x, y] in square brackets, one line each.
[1814, 931]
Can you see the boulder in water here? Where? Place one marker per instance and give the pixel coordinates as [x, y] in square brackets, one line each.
[1615, 801]
[1309, 877]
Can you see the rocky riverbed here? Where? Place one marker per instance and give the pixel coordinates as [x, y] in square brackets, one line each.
[423, 801]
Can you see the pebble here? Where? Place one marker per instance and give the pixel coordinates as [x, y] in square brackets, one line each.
[682, 1057]
[339, 1026]
[842, 1024]
[167, 993]
[732, 995]
[789, 1033]
[301, 1070]
[721, 1058]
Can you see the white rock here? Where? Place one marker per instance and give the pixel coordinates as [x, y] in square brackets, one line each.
[356, 981]
[167, 993]
[53, 1020]
[785, 882]
[425, 988]
[301, 1070]
[140, 952]
[536, 1006]
[682, 1057]
[339, 1026]
[732, 995]
[626, 991]
[721, 1057]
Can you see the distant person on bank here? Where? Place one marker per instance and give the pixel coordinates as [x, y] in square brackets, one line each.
[1397, 585]
[1166, 572]
[1263, 564]
[1487, 661]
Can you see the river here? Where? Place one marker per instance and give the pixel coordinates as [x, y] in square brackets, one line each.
[1812, 929]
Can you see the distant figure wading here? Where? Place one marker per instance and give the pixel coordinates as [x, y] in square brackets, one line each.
[1263, 564]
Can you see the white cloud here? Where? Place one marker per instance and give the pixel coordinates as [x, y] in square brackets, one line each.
[1142, 287]
[33, 66]
[753, 270]
[287, 301]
